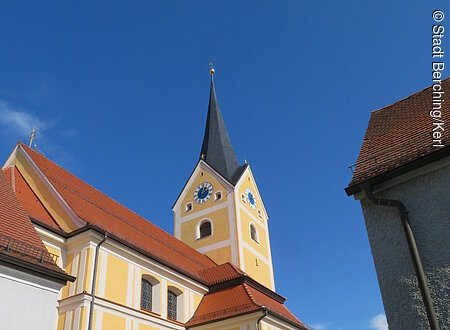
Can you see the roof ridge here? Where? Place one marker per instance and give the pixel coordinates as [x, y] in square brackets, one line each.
[77, 177]
[408, 97]
[250, 295]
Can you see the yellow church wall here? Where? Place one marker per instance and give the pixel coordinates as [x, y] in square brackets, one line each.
[220, 229]
[83, 317]
[174, 285]
[88, 270]
[260, 247]
[53, 250]
[146, 327]
[203, 176]
[113, 322]
[221, 255]
[246, 321]
[257, 269]
[61, 321]
[43, 193]
[116, 280]
[68, 267]
[248, 183]
[197, 299]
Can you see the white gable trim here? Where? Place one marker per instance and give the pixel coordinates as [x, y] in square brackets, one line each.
[238, 184]
[72, 215]
[200, 165]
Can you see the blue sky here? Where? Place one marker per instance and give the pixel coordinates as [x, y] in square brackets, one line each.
[119, 90]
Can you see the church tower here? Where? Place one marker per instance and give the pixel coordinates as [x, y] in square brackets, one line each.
[220, 212]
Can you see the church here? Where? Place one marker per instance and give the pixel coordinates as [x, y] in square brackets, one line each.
[74, 259]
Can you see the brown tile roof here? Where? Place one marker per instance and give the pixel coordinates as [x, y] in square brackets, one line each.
[28, 199]
[18, 238]
[235, 301]
[99, 210]
[399, 134]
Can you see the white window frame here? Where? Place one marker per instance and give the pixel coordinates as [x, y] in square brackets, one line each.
[197, 228]
[156, 293]
[256, 232]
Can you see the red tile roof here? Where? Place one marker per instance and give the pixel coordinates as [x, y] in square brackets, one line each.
[14, 221]
[221, 273]
[235, 301]
[18, 238]
[28, 199]
[97, 209]
[399, 134]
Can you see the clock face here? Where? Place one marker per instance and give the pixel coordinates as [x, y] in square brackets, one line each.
[251, 198]
[203, 192]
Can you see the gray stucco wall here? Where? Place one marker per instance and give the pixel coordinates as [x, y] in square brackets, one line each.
[427, 199]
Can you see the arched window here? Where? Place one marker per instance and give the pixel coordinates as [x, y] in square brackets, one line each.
[146, 295]
[254, 233]
[172, 305]
[205, 229]
[150, 294]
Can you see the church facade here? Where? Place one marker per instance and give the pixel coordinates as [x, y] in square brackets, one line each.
[119, 271]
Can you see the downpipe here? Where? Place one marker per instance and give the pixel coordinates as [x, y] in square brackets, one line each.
[94, 279]
[413, 250]
[258, 321]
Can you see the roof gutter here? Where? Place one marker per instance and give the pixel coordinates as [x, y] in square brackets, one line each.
[94, 279]
[413, 250]
[403, 169]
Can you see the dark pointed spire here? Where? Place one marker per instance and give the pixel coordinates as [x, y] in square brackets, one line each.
[216, 148]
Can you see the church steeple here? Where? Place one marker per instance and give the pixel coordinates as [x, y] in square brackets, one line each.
[220, 211]
[216, 147]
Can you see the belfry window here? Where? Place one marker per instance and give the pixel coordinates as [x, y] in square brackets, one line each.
[254, 233]
[205, 229]
[146, 295]
[172, 305]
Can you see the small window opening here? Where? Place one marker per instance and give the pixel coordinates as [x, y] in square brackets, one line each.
[242, 198]
[188, 207]
[254, 233]
[205, 229]
[218, 195]
[259, 214]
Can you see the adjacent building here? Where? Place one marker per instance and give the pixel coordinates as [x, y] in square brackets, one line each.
[402, 180]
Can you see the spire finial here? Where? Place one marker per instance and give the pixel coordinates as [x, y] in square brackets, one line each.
[211, 68]
[32, 136]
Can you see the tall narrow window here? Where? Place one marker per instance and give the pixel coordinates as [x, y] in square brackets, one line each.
[146, 295]
[205, 229]
[253, 233]
[172, 305]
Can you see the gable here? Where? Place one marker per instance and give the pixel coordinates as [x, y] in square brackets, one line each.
[44, 190]
[201, 173]
[247, 181]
